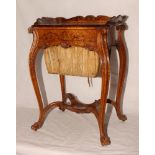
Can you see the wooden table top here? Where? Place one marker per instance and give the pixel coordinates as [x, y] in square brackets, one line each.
[81, 21]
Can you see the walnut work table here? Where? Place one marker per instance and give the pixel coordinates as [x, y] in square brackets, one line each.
[79, 46]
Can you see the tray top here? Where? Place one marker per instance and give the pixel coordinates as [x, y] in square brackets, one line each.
[80, 21]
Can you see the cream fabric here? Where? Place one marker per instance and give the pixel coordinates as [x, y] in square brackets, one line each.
[75, 61]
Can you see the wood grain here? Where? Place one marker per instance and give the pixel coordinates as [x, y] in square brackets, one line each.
[94, 34]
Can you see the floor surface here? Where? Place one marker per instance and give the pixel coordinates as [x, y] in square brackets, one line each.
[68, 133]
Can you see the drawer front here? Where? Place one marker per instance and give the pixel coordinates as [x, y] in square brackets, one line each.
[67, 37]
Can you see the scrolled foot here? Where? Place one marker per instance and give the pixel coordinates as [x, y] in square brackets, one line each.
[36, 126]
[122, 117]
[62, 108]
[105, 141]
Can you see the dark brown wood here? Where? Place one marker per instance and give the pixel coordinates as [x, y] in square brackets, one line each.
[63, 91]
[122, 71]
[88, 32]
[78, 20]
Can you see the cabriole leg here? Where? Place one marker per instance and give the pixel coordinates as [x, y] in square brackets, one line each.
[32, 57]
[122, 71]
[105, 74]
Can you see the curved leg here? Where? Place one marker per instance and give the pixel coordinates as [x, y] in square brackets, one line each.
[37, 125]
[105, 73]
[122, 71]
[63, 91]
[105, 140]
[32, 58]
[47, 109]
